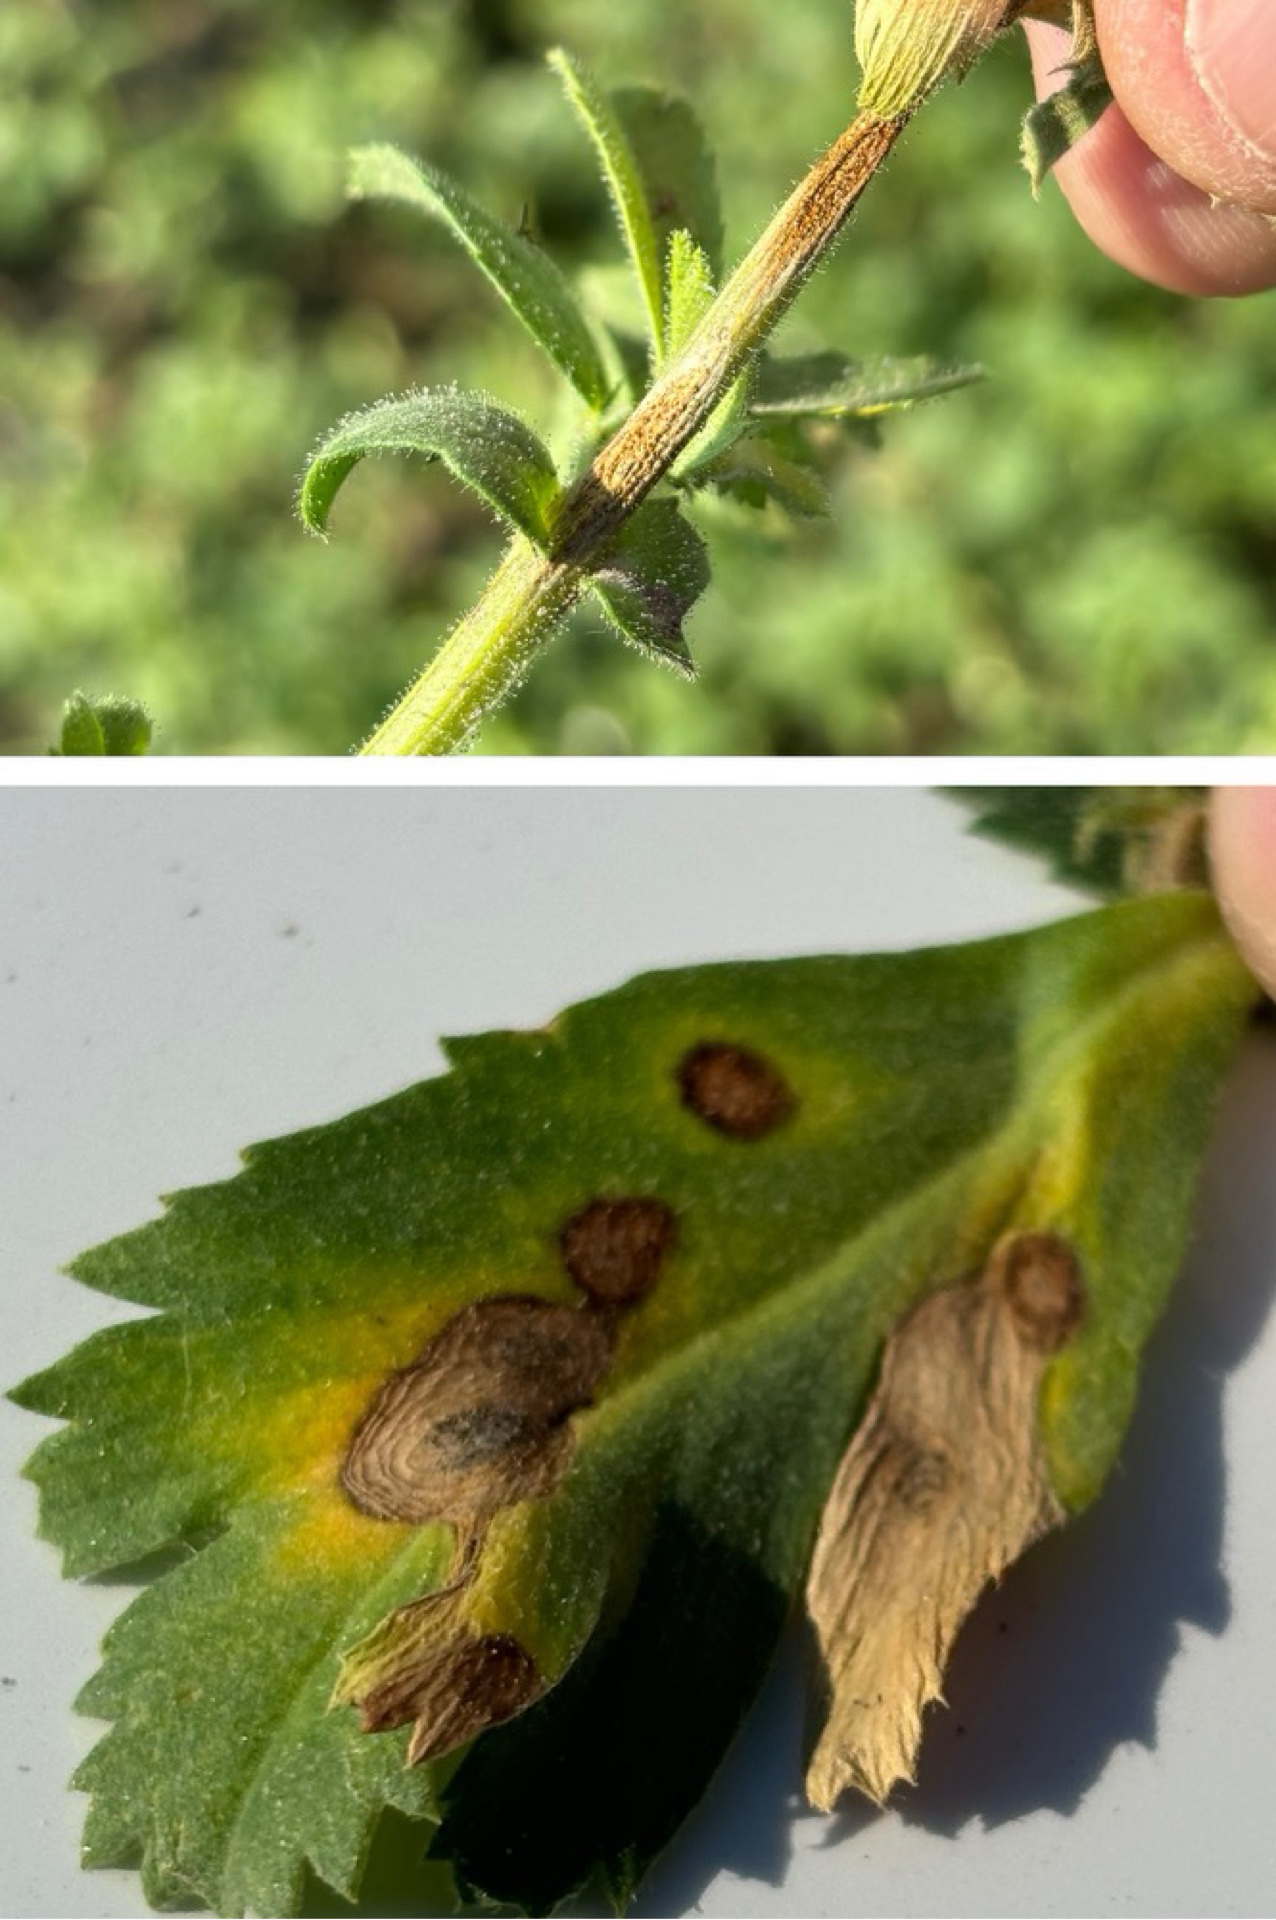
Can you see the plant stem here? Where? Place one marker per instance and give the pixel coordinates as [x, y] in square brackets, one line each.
[529, 596]
[484, 658]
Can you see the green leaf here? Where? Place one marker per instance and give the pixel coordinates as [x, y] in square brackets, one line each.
[829, 385]
[82, 730]
[691, 295]
[677, 166]
[1111, 840]
[755, 471]
[624, 178]
[536, 1377]
[691, 289]
[529, 281]
[489, 450]
[654, 575]
[108, 724]
[1054, 126]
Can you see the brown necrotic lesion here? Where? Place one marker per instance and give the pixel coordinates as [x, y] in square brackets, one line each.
[734, 1090]
[427, 1666]
[614, 1250]
[479, 1421]
[945, 1483]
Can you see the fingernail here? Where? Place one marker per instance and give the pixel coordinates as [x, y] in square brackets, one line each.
[1232, 47]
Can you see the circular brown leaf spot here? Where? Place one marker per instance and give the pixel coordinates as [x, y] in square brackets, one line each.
[478, 1421]
[1042, 1280]
[734, 1090]
[614, 1249]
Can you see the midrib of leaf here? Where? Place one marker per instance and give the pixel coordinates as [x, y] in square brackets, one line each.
[1206, 949]
[790, 1302]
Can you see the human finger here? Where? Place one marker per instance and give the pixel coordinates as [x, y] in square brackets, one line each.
[1144, 214]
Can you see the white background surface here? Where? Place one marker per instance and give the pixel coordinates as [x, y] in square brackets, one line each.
[182, 972]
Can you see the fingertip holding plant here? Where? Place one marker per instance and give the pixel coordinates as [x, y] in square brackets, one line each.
[505, 1422]
[1243, 860]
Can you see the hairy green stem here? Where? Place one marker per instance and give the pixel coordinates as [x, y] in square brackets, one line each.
[529, 596]
[484, 658]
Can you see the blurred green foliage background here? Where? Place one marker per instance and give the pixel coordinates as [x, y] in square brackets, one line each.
[1078, 556]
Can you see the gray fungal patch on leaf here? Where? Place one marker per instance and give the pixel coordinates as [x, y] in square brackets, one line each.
[614, 1249]
[479, 1421]
[734, 1090]
[944, 1484]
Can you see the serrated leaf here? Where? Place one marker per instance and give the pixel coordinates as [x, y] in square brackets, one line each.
[625, 182]
[1110, 840]
[1055, 125]
[108, 724]
[831, 386]
[714, 1193]
[489, 450]
[528, 280]
[82, 730]
[654, 575]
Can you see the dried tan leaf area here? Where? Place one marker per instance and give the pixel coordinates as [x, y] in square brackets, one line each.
[908, 47]
[942, 1487]
[427, 1665]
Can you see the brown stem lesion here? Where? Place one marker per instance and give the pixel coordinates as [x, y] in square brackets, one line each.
[740, 321]
[487, 654]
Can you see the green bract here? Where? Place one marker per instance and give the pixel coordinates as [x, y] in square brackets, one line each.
[906, 47]
[803, 1149]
